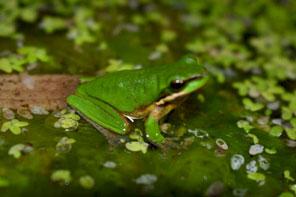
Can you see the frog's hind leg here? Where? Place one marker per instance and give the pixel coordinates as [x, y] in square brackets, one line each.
[101, 115]
[112, 138]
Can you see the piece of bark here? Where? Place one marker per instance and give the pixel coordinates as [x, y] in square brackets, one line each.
[27, 91]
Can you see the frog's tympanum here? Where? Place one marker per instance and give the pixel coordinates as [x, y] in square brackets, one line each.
[114, 100]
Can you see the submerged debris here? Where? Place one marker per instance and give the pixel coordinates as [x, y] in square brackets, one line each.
[215, 189]
[65, 144]
[38, 110]
[206, 144]
[110, 164]
[263, 163]
[221, 144]
[199, 133]
[239, 192]
[291, 143]
[256, 149]
[146, 179]
[25, 113]
[8, 113]
[237, 161]
[251, 167]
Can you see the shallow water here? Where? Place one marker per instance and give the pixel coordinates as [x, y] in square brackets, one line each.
[196, 170]
[188, 171]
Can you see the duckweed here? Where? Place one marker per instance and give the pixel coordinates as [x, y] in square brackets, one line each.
[137, 146]
[15, 126]
[87, 182]
[256, 176]
[61, 176]
[288, 176]
[67, 121]
[3, 182]
[65, 144]
[19, 149]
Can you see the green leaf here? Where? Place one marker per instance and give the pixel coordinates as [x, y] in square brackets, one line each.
[137, 146]
[291, 133]
[256, 176]
[14, 126]
[62, 176]
[254, 138]
[5, 65]
[15, 130]
[4, 182]
[276, 131]
[293, 122]
[250, 105]
[286, 194]
[87, 182]
[51, 24]
[288, 176]
[244, 125]
[16, 150]
[270, 151]
[287, 113]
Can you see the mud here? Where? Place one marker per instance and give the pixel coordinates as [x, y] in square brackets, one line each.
[26, 91]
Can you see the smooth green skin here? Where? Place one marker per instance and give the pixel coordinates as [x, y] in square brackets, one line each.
[106, 99]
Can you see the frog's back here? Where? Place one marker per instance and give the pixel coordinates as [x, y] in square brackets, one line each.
[125, 90]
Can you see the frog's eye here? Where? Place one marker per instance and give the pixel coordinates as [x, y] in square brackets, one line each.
[177, 84]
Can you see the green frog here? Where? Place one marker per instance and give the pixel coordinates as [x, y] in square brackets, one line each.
[113, 101]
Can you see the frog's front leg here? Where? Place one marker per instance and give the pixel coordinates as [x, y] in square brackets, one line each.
[152, 123]
[101, 115]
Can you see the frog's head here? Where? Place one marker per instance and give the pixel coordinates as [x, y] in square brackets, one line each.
[187, 75]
